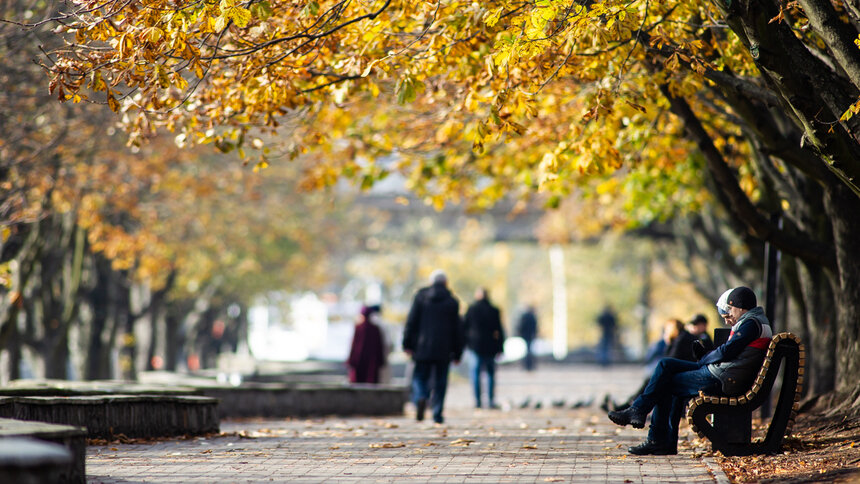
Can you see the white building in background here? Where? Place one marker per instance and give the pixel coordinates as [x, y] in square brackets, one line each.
[297, 327]
[284, 327]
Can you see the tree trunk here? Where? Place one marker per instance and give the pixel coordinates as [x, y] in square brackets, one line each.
[844, 211]
[98, 365]
[56, 357]
[820, 340]
[174, 342]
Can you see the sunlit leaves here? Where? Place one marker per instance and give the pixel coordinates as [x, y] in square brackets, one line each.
[538, 96]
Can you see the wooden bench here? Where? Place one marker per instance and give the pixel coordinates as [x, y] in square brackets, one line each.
[784, 348]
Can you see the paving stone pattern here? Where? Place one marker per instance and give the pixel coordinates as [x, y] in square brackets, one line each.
[553, 443]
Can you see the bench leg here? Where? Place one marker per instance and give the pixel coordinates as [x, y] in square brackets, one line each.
[737, 428]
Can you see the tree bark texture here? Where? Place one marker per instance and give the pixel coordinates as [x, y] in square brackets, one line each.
[809, 89]
[844, 211]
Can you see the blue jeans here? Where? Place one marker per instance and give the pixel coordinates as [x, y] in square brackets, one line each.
[673, 383]
[488, 364]
[430, 382]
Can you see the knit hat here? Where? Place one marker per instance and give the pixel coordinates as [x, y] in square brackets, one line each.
[438, 276]
[722, 305]
[742, 298]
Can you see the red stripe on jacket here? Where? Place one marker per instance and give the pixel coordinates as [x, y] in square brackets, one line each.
[759, 343]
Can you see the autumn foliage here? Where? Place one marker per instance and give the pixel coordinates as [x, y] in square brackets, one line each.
[665, 105]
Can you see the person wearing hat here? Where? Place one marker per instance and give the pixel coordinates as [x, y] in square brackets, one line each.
[729, 368]
[432, 337]
[367, 352]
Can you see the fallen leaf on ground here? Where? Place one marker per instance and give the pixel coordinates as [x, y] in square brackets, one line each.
[461, 442]
[387, 445]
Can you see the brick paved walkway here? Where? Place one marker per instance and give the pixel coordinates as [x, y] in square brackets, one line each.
[513, 444]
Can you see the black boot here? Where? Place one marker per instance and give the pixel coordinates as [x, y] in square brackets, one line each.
[420, 407]
[629, 415]
[649, 447]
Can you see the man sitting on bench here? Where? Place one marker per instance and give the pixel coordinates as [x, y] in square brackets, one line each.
[730, 368]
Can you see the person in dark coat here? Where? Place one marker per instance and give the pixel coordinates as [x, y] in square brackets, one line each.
[527, 330]
[482, 328]
[607, 322]
[367, 354]
[433, 339]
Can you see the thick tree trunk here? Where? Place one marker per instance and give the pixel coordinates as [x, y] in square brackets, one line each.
[98, 355]
[174, 342]
[56, 357]
[821, 337]
[844, 210]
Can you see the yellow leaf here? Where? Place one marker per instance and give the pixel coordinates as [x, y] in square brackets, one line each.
[241, 16]
[221, 23]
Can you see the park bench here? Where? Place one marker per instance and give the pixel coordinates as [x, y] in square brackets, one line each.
[729, 428]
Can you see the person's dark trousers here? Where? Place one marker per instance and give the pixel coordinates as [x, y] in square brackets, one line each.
[430, 382]
[673, 382]
[529, 360]
[485, 363]
[665, 420]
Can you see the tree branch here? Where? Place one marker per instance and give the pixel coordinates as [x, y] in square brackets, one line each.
[739, 204]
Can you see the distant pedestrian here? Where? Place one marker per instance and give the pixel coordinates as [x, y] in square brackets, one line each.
[433, 339]
[482, 329]
[367, 354]
[607, 322]
[527, 329]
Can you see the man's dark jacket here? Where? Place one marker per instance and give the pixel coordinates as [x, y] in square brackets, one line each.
[482, 327]
[432, 330]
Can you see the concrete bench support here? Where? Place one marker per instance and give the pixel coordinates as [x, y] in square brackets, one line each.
[41, 452]
[130, 415]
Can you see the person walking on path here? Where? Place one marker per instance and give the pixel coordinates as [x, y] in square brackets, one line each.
[367, 353]
[484, 335]
[527, 329]
[433, 339]
[607, 322]
[731, 368]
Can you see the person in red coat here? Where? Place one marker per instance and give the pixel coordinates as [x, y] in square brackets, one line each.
[367, 355]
